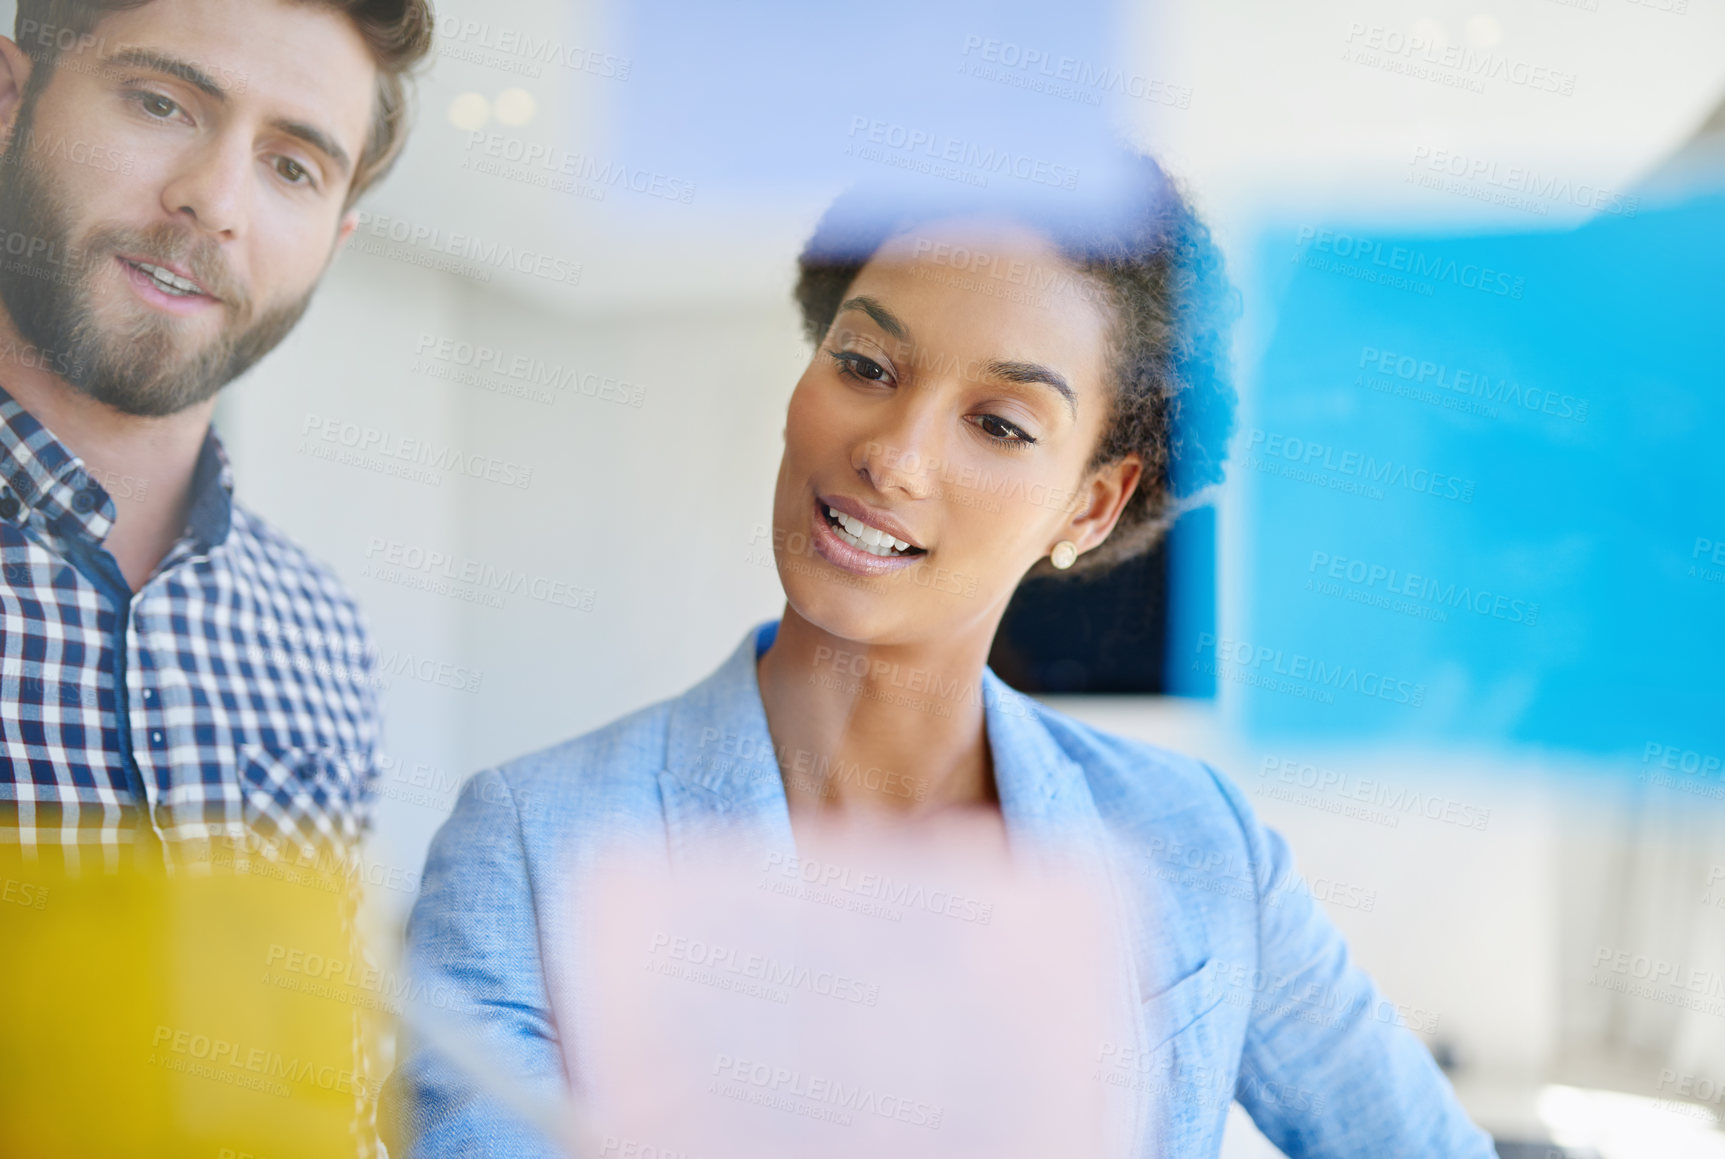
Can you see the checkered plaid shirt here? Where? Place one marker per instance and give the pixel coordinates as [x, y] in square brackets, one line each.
[231, 698]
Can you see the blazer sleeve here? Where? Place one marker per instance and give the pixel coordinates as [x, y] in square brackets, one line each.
[473, 956]
[1328, 1070]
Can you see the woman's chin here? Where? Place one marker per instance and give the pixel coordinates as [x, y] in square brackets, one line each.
[859, 609]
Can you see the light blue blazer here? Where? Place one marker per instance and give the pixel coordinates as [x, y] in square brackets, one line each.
[1247, 992]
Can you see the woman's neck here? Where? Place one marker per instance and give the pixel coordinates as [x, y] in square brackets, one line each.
[877, 731]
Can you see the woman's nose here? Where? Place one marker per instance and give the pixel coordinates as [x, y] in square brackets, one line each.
[904, 453]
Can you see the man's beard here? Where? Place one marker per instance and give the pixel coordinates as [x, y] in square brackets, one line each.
[137, 367]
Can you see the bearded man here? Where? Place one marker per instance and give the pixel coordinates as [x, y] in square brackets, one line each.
[177, 176]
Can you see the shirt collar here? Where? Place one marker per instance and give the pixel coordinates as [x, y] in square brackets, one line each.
[39, 475]
[722, 773]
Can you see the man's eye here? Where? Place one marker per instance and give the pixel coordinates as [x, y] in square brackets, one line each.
[859, 366]
[157, 105]
[998, 428]
[292, 171]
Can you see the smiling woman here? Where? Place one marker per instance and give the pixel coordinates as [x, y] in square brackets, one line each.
[991, 393]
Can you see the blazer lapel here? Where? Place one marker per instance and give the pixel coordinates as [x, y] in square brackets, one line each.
[720, 784]
[1051, 814]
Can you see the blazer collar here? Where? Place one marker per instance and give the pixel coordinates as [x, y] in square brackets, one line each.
[721, 775]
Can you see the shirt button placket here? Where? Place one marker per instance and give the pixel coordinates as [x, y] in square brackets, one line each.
[147, 722]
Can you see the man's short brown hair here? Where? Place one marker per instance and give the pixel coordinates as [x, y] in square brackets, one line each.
[398, 33]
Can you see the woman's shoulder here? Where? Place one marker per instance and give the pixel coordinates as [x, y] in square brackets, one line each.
[611, 770]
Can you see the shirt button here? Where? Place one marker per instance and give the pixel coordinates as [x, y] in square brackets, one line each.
[148, 693]
[155, 738]
[8, 507]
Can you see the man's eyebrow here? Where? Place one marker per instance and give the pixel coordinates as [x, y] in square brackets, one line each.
[151, 59]
[317, 139]
[1035, 372]
[883, 317]
[185, 70]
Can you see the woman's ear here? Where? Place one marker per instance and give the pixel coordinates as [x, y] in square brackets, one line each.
[1100, 501]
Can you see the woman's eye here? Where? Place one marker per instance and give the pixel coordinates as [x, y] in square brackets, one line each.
[998, 428]
[860, 366]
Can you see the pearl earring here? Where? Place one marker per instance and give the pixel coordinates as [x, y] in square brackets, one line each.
[1064, 555]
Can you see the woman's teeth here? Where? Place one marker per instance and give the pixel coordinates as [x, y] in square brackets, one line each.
[860, 535]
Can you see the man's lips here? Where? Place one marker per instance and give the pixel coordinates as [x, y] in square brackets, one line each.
[172, 278]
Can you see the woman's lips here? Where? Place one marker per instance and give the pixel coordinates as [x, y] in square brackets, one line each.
[842, 555]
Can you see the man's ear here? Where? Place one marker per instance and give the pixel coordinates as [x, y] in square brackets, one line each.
[15, 66]
[349, 222]
[1103, 497]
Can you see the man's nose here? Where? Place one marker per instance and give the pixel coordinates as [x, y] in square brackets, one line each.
[211, 188]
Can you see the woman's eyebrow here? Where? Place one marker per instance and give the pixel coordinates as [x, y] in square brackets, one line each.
[1035, 372]
[883, 317]
[1010, 370]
